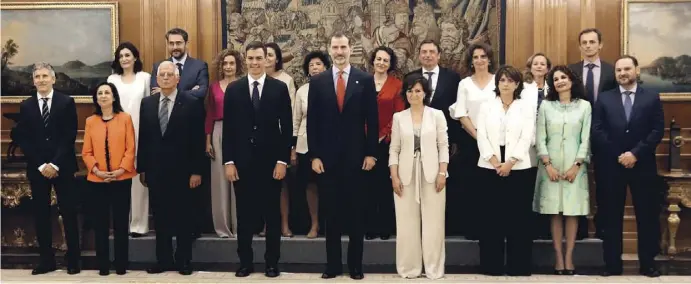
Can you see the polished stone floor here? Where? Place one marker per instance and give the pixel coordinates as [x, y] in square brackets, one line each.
[91, 276]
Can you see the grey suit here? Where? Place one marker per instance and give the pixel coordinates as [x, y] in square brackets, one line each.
[194, 73]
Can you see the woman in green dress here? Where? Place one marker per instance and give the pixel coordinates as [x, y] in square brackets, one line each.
[563, 139]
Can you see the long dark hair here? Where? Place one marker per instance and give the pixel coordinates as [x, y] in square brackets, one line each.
[279, 55]
[115, 65]
[577, 89]
[117, 107]
[410, 81]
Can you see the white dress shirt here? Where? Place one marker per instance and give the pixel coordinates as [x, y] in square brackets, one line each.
[261, 80]
[596, 75]
[346, 73]
[435, 79]
[171, 97]
[181, 61]
[633, 95]
[40, 109]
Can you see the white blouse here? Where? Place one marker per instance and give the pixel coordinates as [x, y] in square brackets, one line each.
[470, 98]
[131, 95]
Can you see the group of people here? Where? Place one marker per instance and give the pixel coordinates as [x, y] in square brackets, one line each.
[518, 143]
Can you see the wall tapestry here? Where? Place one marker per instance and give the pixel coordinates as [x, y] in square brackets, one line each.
[300, 26]
[77, 38]
[658, 34]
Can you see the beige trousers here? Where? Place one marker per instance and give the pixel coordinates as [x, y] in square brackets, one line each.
[139, 212]
[223, 209]
[420, 214]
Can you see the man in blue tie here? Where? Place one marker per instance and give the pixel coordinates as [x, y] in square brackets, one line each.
[597, 77]
[628, 124]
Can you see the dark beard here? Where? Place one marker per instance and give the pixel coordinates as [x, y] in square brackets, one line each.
[182, 54]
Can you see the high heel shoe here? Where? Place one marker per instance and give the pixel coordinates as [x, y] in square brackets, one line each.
[569, 272]
[559, 272]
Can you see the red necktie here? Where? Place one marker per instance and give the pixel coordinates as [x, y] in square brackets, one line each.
[340, 91]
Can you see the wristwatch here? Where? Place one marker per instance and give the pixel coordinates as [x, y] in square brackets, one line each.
[445, 174]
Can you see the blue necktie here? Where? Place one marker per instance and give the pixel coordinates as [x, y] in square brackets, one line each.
[590, 82]
[628, 105]
[540, 97]
[255, 95]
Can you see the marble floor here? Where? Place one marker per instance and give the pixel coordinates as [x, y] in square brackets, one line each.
[91, 276]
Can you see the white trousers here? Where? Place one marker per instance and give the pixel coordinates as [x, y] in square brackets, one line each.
[139, 212]
[420, 214]
[223, 209]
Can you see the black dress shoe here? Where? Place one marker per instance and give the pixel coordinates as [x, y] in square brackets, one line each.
[120, 271]
[370, 236]
[385, 236]
[158, 268]
[271, 272]
[608, 273]
[136, 235]
[185, 268]
[357, 275]
[43, 269]
[244, 272]
[103, 272]
[559, 272]
[569, 272]
[73, 269]
[650, 272]
[331, 274]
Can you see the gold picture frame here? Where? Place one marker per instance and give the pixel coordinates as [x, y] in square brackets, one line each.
[80, 60]
[657, 48]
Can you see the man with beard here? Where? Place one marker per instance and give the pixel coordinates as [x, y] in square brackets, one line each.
[444, 85]
[628, 124]
[454, 34]
[342, 133]
[597, 76]
[194, 80]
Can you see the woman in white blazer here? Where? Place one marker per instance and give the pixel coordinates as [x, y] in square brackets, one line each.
[505, 131]
[314, 63]
[418, 160]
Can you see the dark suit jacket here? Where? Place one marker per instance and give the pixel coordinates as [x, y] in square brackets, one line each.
[178, 153]
[274, 123]
[194, 72]
[342, 138]
[54, 144]
[444, 96]
[614, 136]
[608, 80]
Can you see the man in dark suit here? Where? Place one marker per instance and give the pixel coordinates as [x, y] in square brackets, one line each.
[259, 131]
[342, 130]
[194, 80]
[47, 131]
[628, 124]
[598, 77]
[170, 160]
[444, 85]
[194, 73]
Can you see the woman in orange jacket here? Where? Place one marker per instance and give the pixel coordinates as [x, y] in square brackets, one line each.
[108, 153]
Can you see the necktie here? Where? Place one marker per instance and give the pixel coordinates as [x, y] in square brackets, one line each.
[340, 91]
[163, 115]
[179, 68]
[590, 82]
[628, 105]
[255, 95]
[45, 113]
[429, 80]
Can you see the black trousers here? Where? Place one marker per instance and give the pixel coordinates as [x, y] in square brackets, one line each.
[645, 195]
[380, 206]
[67, 207]
[464, 188]
[509, 218]
[341, 197]
[258, 196]
[115, 196]
[171, 196]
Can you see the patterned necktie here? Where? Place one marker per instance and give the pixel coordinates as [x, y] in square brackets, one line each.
[540, 97]
[255, 95]
[628, 105]
[45, 113]
[340, 91]
[429, 80]
[590, 82]
[179, 68]
[163, 115]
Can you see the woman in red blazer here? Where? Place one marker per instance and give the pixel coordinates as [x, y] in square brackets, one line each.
[380, 207]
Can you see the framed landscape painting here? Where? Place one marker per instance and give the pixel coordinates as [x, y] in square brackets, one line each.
[77, 38]
[658, 34]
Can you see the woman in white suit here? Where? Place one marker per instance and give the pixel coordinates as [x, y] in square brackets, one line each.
[133, 85]
[505, 134]
[418, 158]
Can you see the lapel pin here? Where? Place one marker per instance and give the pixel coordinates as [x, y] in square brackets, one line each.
[357, 82]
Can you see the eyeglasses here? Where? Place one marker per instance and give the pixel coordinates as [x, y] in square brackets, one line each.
[166, 75]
